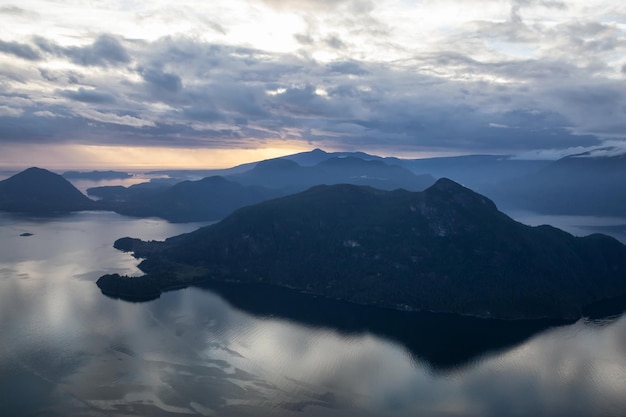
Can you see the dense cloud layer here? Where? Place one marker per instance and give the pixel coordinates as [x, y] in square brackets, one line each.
[349, 76]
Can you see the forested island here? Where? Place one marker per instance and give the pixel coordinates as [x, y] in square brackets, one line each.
[39, 191]
[446, 249]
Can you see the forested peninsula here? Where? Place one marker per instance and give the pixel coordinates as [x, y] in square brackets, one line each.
[446, 249]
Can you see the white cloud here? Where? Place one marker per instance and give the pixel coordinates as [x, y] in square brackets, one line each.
[10, 111]
[112, 118]
[448, 75]
[45, 113]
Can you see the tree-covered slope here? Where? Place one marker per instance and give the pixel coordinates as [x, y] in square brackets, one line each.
[210, 198]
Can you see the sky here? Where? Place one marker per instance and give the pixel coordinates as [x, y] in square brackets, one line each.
[210, 84]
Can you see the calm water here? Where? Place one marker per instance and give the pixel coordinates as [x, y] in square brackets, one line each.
[65, 349]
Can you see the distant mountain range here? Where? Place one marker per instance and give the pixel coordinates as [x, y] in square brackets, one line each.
[471, 170]
[317, 156]
[590, 183]
[288, 174]
[584, 184]
[211, 198]
[96, 175]
[576, 184]
[447, 249]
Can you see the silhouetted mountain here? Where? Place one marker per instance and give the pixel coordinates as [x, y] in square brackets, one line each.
[96, 175]
[40, 191]
[375, 173]
[276, 173]
[109, 192]
[475, 171]
[446, 249]
[309, 158]
[282, 173]
[585, 184]
[576, 184]
[119, 193]
[211, 198]
[317, 156]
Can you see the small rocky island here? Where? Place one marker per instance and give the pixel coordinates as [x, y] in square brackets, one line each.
[446, 249]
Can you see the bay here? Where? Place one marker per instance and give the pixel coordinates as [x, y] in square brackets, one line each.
[65, 349]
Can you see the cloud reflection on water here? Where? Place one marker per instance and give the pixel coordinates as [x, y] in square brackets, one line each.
[68, 350]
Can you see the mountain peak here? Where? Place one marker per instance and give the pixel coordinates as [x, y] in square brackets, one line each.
[36, 177]
[454, 192]
[39, 190]
[446, 184]
[35, 171]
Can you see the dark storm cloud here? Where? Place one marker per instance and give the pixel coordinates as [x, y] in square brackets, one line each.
[597, 105]
[232, 98]
[47, 75]
[20, 50]
[346, 67]
[59, 77]
[204, 114]
[209, 64]
[303, 101]
[106, 50]
[429, 122]
[35, 125]
[160, 80]
[602, 97]
[58, 125]
[517, 5]
[304, 39]
[179, 91]
[335, 42]
[590, 38]
[88, 96]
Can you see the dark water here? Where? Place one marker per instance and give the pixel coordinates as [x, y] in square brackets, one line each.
[65, 349]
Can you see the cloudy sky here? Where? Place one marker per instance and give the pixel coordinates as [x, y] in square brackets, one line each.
[191, 83]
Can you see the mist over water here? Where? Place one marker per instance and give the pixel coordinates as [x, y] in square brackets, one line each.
[576, 225]
[233, 351]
